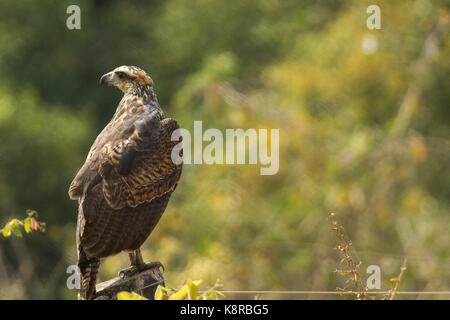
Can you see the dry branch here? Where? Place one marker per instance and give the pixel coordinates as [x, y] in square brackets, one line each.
[143, 283]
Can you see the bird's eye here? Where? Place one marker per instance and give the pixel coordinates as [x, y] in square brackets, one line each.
[121, 74]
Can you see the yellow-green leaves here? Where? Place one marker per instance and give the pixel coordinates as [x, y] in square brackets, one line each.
[28, 224]
[192, 289]
[212, 294]
[12, 227]
[123, 295]
[162, 293]
[189, 291]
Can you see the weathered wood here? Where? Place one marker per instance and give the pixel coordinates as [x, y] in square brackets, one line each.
[143, 283]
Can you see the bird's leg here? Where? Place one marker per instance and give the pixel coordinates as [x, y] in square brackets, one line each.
[141, 265]
[138, 264]
[128, 272]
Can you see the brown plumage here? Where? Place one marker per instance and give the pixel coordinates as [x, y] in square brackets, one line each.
[125, 184]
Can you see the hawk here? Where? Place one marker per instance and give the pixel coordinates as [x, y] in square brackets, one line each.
[127, 179]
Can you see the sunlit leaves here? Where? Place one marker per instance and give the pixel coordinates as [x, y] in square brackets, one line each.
[189, 291]
[129, 296]
[28, 224]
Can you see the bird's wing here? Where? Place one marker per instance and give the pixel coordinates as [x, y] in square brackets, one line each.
[139, 168]
[88, 175]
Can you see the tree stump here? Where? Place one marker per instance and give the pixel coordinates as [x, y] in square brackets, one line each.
[143, 283]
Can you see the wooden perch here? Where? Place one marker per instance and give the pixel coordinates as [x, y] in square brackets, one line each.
[143, 283]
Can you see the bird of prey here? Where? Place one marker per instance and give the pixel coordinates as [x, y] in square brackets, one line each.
[127, 179]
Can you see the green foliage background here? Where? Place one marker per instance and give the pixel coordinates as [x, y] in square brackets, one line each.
[362, 133]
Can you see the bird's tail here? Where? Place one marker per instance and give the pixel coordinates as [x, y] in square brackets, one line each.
[88, 274]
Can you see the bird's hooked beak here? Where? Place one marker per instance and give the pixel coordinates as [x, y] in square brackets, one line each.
[107, 78]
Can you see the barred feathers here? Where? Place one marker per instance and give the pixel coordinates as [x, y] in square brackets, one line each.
[125, 184]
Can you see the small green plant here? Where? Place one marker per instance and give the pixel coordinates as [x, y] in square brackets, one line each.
[189, 291]
[28, 224]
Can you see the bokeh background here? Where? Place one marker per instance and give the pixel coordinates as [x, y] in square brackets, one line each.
[364, 132]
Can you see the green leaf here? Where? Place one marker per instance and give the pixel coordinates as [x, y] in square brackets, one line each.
[6, 232]
[15, 223]
[123, 295]
[180, 294]
[167, 290]
[159, 294]
[192, 289]
[27, 225]
[212, 294]
[16, 231]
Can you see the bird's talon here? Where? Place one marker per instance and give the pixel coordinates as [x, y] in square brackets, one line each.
[126, 273]
[156, 264]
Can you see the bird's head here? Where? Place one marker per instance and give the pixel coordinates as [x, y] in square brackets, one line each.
[127, 78]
